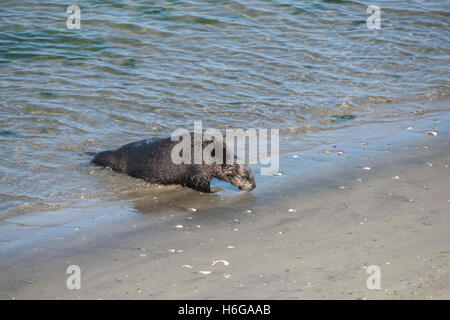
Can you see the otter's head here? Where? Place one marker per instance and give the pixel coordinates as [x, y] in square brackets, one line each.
[239, 175]
[229, 169]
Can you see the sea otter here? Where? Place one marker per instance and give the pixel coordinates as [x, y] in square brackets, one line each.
[152, 160]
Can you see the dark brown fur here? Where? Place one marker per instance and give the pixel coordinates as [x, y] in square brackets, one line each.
[151, 160]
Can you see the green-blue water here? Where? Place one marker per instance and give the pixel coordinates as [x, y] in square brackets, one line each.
[138, 69]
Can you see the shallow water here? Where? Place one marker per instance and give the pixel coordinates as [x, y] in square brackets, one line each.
[138, 69]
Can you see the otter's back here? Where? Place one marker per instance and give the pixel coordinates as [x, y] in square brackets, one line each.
[147, 159]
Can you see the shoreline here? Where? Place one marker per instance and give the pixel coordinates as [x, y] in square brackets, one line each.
[344, 218]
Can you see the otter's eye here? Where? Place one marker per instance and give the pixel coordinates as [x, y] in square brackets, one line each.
[213, 153]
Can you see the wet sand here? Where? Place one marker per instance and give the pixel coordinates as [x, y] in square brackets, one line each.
[307, 234]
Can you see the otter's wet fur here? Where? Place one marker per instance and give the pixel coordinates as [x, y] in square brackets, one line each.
[151, 160]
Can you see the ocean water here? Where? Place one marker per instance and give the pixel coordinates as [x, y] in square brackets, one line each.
[140, 69]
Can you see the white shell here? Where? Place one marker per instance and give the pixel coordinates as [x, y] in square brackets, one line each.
[204, 272]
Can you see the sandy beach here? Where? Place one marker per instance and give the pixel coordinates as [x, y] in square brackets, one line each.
[357, 93]
[309, 233]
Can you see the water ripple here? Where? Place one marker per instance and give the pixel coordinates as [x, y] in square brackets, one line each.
[143, 68]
